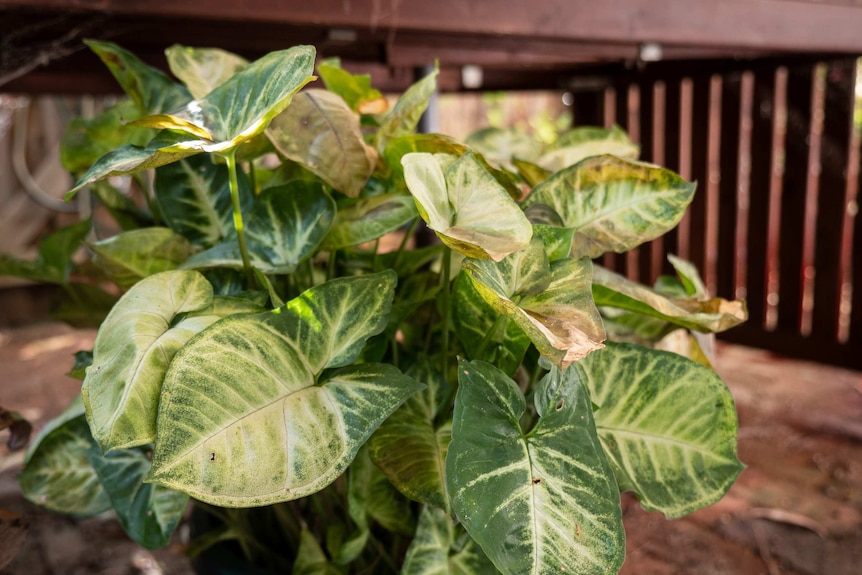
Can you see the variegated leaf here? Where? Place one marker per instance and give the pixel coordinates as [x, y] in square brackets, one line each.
[131, 256]
[410, 448]
[465, 205]
[149, 513]
[439, 549]
[247, 415]
[57, 473]
[586, 141]
[668, 425]
[369, 219]
[322, 133]
[537, 501]
[203, 69]
[403, 118]
[712, 315]
[612, 204]
[501, 147]
[552, 303]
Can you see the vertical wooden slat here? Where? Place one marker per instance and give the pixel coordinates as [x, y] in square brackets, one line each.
[589, 107]
[672, 135]
[646, 109]
[699, 170]
[832, 188]
[728, 187]
[619, 262]
[794, 188]
[762, 120]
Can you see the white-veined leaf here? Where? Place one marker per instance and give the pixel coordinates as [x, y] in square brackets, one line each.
[668, 425]
[248, 417]
[440, 547]
[543, 501]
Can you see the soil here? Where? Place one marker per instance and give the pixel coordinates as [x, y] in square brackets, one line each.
[795, 510]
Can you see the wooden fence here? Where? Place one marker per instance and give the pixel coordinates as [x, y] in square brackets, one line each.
[775, 220]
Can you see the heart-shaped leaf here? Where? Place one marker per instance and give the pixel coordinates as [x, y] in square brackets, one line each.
[354, 89]
[296, 429]
[322, 133]
[584, 142]
[410, 448]
[215, 123]
[404, 117]
[134, 347]
[57, 473]
[542, 501]
[613, 204]
[551, 302]
[284, 227]
[203, 69]
[532, 174]
[369, 219]
[151, 90]
[195, 201]
[131, 256]
[149, 513]
[465, 205]
[439, 547]
[711, 315]
[668, 425]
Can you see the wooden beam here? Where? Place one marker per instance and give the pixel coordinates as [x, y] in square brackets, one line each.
[759, 24]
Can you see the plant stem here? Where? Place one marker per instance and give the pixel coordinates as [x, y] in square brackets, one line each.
[252, 179]
[407, 235]
[447, 263]
[230, 159]
[330, 265]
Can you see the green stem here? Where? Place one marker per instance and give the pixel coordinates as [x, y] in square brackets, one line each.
[330, 265]
[407, 235]
[230, 159]
[447, 263]
[252, 177]
[490, 335]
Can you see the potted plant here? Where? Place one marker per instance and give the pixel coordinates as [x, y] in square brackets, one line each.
[338, 400]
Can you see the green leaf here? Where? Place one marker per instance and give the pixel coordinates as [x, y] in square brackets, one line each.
[532, 174]
[133, 350]
[195, 201]
[122, 208]
[712, 315]
[613, 204]
[152, 91]
[54, 261]
[437, 549]
[310, 559]
[214, 124]
[354, 89]
[284, 227]
[88, 139]
[322, 133]
[502, 146]
[551, 302]
[483, 331]
[538, 502]
[410, 448]
[689, 277]
[57, 474]
[268, 425]
[203, 69]
[465, 205]
[149, 513]
[667, 424]
[404, 117]
[131, 256]
[584, 142]
[265, 88]
[369, 219]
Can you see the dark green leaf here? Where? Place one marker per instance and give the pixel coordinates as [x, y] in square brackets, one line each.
[537, 502]
[131, 256]
[369, 219]
[667, 424]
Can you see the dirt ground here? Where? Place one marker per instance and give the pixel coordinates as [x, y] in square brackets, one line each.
[795, 510]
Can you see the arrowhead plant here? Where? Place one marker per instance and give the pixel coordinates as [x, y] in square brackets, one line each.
[337, 401]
